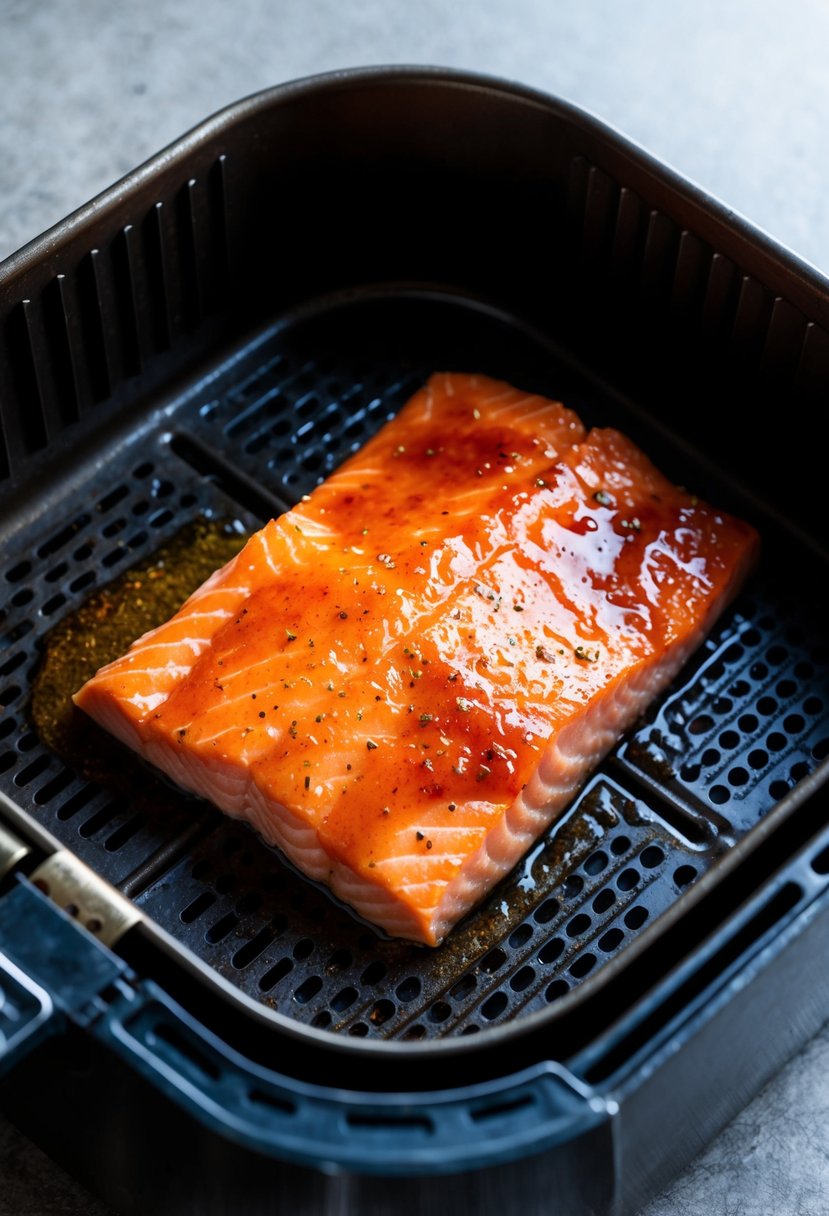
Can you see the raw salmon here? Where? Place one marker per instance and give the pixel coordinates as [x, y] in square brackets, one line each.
[403, 680]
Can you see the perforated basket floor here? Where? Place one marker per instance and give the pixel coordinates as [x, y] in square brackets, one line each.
[747, 719]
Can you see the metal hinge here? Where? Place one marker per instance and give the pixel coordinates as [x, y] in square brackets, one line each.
[78, 890]
[12, 851]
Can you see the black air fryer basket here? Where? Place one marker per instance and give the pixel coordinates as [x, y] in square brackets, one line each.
[187, 1024]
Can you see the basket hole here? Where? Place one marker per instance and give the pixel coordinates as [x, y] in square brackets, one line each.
[52, 575]
[373, 973]
[550, 951]
[555, 990]
[546, 912]
[595, 863]
[308, 989]
[32, 770]
[408, 990]
[620, 845]
[303, 949]
[252, 949]
[793, 724]
[747, 723]
[112, 498]
[578, 925]
[684, 875]
[494, 1006]
[381, 1012]
[123, 834]
[573, 886]
[12, 664]
[439, 1012]
[582, 966]
[222, 927]
[652, 856]
[344, 999]
[520, 936]
[719, 794]
[54, 788]
[465, 985]
[52, 605]
[611, 940]
[493, 961]
[628, 879]
[820, 864]
[76, 803]
[522, 979]
[767, 706]
[636, 917]
[758, 759]
[18, 572]
[275, 973]
[358, 1031]
[339, 961]
[82, 581]
[604, 900]
[776, 742]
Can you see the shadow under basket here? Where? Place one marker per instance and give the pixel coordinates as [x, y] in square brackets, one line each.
[186, 1023]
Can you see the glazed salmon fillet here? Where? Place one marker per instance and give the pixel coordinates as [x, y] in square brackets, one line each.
[403, 680]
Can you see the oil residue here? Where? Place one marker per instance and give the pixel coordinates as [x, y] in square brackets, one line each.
[104, 627]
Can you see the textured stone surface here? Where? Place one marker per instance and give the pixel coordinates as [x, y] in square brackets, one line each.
[734, 95]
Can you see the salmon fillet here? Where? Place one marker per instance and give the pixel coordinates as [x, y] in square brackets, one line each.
[404, 679]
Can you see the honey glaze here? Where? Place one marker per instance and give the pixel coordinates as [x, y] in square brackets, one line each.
[405, 677]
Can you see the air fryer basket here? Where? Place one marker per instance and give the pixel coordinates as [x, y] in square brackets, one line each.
[213, 337]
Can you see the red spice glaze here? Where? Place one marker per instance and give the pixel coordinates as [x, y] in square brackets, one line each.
[473, 580]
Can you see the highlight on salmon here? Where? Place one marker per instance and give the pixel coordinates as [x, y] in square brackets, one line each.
[402, 681]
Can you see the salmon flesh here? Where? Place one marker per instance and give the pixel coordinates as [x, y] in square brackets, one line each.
[402, 681]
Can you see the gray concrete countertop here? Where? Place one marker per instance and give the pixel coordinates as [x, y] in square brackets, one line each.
[735, 96]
